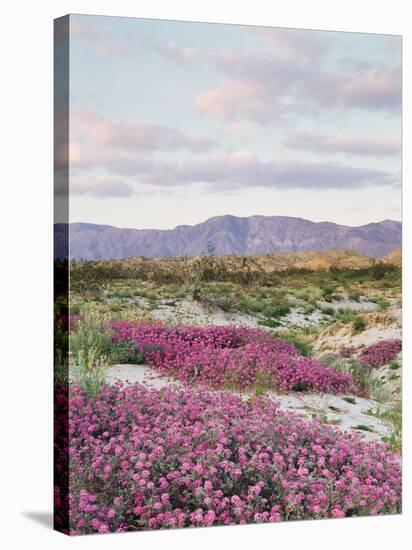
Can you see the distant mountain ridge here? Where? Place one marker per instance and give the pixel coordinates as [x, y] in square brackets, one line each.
[228, 235]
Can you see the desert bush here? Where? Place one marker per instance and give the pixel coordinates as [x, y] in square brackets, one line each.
[299, 341]
[346, 315]
[355, 296]
[382, 304]
[328, 359]
[270, 323]
[90, 335]
[328, 293]
[225, 302]
[90, 347]
[276, 310]
[358, 325]
[88, 369]
[250, 304]
[359, 370]
[126, 353]
[361, 374]
[308, 309]
[392, 416]
[378, 270]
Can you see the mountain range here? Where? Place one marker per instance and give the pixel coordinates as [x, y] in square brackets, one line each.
[227, 235]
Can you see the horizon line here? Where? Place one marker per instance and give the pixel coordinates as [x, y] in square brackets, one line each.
[224, 216]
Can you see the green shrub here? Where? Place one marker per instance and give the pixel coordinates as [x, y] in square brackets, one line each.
[271, 323]
[126, 353]
[328, 293]
[302, 345]
[355, 296]
[350, 400]
[308, 309]
[90, 346]
[378, 270]
[90, 335]
[345, 315]
[251, 304]
[276, 311]
[328, 359]
[383, 304]
[360, 371]
[358, 325]
[363, 427]
[88, 369]
[327, 310]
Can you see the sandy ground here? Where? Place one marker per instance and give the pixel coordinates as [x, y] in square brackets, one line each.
[130, 374]
[334, 409]
[336, 337]
[297, 318]
[346, 303]
[190, 312]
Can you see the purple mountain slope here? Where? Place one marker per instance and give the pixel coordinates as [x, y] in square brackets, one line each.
[229, 235]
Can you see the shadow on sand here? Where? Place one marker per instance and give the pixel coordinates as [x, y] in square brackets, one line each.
[42, 518]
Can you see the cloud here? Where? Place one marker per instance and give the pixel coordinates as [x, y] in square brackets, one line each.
[183, 56]
[268, 88]
[243, 169]
[294, 44]
[294, 77]
[100, 187]
[96, 141]
[102, 40]
[238, 101]
[369, 89]
[137, 136]
[352, 145]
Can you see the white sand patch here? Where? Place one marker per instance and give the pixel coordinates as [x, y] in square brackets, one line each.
[335, 409]
[130, 374]
[344, 338]
[346, 303]
[297, 318]
[380, 326]
[194, 313]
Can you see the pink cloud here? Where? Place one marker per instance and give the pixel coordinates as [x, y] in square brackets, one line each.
[294, 43]
[101, 39]
[184, 56]
[349, 144]
[243, 169]
[239, 101]
[100, 187]
[267, 88]
[137, 136]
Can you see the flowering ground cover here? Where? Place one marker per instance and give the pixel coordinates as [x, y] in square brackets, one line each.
[377, 354]
[147, 459]
[231, 357]
[382, 352]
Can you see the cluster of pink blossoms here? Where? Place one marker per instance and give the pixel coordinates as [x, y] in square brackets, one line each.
[382, 352]
[233, 357]
[147, 459]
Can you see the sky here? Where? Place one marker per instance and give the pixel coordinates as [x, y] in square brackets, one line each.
[173, 123]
